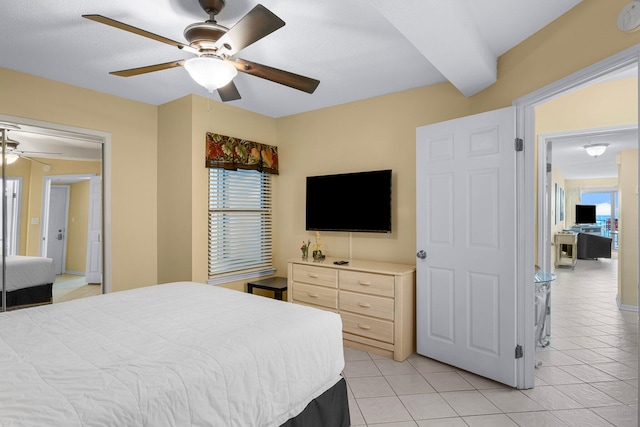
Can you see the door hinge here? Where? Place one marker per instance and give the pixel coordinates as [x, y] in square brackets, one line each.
[548, 167]
[519, 144]
[519, 352]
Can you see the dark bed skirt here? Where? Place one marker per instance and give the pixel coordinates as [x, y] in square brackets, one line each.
[41, 294]
[330, 409]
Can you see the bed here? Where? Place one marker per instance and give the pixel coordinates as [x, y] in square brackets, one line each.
[29, 280]
[177, 354]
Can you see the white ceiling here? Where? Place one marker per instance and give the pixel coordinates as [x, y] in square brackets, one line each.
[356, 48]
[569, 155]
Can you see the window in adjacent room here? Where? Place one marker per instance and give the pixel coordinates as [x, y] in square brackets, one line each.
[13, 193]
[240, 243]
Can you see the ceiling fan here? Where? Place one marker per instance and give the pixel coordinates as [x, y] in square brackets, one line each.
[13, 154]
[215, 66]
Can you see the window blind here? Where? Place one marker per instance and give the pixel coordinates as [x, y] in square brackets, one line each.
[240, 221]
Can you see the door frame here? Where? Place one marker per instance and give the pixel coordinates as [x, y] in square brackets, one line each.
[525, 203]
[46, 195]
[105, 139]
[544, 249]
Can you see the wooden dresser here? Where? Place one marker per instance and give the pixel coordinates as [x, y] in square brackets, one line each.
[376, 301]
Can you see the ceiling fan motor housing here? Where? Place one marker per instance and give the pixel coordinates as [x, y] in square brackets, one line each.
[203, 35]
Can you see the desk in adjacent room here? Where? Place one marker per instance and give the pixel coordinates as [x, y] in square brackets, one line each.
[571, 241]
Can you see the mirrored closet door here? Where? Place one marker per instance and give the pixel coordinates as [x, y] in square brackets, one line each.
[51, 216]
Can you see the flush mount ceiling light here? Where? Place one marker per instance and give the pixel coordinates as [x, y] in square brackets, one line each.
[11, 145]
[595, 150]
[11, 158]
[210, 71]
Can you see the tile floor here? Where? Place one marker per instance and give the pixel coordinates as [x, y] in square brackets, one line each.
[70, 286]
[588, 375]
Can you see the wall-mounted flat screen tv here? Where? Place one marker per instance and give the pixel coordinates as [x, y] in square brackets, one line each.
[586, 214]
[359, 201]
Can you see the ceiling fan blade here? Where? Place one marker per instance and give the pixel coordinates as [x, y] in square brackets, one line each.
[32, 152]
[296, 81]
[229, 92]
[256, 24]
[122, 26]
[148, 69]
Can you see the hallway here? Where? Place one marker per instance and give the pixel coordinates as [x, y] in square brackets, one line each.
[593, 356]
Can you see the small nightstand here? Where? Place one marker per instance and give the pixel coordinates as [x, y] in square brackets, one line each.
[275, 284]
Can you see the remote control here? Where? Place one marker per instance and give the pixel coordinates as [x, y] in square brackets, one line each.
[341, 262]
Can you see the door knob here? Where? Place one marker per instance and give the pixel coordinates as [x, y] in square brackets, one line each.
[421, 254]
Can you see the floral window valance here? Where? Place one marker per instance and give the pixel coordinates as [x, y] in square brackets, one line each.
[226, 152]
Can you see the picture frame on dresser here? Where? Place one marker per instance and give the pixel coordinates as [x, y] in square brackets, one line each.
[376, 301]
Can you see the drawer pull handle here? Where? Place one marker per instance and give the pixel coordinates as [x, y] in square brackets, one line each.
[314, 275]
[367, 327]
[364, 304]
[313, 295]
[360, 282]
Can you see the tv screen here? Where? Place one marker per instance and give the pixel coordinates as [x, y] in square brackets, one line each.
[586, 214]
[359, 201]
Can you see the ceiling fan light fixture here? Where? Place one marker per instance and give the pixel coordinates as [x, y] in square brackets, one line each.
[210, 72]
[595, 150]
[11, 158]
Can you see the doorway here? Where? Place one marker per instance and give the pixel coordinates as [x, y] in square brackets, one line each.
[527, 129]
[80, 142]
[79, 232]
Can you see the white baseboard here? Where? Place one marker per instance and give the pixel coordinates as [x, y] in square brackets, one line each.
[625, 307]
[77, 273]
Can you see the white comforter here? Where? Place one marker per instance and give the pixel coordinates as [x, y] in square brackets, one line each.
[28, 271]
[178, 354]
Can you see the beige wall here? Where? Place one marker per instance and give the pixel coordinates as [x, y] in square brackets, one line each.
[628, 226]
[134, 174]
[182, 214]
[600, 105]
[374, 134]
[174, 203]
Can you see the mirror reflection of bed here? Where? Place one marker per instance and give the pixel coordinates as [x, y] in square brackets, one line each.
[53, 217]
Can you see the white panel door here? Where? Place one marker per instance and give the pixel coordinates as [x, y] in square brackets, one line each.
[57, 229]
[94, 243]
[465, 221]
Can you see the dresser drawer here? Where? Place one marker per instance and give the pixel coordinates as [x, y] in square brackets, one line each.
[316, 295]
[377, 329]
[369, 283]
[368, 305]
[311, 274]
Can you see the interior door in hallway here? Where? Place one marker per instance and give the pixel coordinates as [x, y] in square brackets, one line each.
[94, 235]
[466, 234]
[57, 226]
